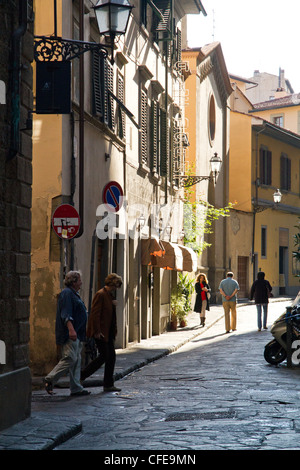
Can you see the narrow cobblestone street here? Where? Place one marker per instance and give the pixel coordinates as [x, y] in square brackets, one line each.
[214, 393]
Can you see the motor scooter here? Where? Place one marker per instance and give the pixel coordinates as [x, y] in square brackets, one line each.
[276, 350]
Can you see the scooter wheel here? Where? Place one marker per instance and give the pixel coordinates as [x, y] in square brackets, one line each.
[274, 353]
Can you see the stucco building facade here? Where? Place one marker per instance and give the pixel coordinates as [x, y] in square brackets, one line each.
[125, 126]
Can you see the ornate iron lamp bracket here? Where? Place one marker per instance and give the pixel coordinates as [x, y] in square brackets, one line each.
[52, 48]
[187, 181]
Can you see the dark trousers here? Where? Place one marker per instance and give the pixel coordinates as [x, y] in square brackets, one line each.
[107, 355]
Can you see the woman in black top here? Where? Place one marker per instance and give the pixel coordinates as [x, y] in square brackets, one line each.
[202, 298]
[260, 291]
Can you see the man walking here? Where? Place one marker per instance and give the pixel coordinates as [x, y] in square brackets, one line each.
[70, 333]
[228, 288]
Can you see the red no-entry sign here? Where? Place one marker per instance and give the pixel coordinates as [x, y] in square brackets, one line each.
[66, 221]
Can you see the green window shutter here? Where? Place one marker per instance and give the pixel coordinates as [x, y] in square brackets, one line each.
[178, 45]
[162, 23]
[98, 85]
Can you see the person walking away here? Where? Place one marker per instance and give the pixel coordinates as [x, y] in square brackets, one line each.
[203, 290]
[102, 326]
[260, 291]
[70, 332]
[229, 288]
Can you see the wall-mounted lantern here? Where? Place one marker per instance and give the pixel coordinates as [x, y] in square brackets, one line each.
[112, 18]
[215, 165]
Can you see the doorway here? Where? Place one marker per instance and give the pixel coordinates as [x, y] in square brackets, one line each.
[283, 260]
[242, 276]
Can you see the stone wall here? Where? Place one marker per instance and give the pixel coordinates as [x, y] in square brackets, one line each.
[16, 56]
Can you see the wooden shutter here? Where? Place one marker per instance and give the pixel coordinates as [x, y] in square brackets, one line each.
[154, 135]
[285, 173]
[98, 84]
[178, 45]
[121, 114]
[162, 24]
[164, 144]
[144, 111]
[102, 81]
[109, 103]
[269, 167]
[265, 166]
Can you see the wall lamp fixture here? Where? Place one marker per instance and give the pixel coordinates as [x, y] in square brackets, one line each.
[257, 207]
[189, 180]
[112, 18]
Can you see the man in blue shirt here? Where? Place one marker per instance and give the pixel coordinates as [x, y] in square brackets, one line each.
[228, 288]
[70, 330]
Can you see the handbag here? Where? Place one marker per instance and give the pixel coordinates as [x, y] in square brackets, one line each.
[208, 295]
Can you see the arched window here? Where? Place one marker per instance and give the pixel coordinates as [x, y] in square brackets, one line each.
[212, 118]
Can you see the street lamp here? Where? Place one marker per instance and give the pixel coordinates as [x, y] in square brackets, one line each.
[277, 196]
[215, 165]
[112, 18]
[260, 208]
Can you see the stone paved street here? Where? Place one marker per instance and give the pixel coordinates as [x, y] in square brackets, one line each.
[214, 393]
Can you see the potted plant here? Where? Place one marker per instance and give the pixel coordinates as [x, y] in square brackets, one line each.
[177, 307]
[185, 287]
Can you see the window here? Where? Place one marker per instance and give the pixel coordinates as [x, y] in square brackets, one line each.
[285, 173]
[263, 251]
[278, 120]
[265, 166]
[296, 267]
[161, 17]
[212, 118]
[143, 12]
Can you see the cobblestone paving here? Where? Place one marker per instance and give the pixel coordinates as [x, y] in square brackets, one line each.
[214, 393]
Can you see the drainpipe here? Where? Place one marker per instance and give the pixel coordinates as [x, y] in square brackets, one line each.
[81, 122]
[16, 80]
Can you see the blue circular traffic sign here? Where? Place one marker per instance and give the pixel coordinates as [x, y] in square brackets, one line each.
[113, 196]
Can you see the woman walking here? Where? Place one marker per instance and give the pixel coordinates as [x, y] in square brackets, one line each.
[202, 297]
[260, 291]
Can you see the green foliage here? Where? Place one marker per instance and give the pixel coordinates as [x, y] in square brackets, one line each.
[181, 297]
[177, 305]
[199, 217]
[186, 286]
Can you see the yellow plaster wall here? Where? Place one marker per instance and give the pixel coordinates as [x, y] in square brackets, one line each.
[290, 116]
[191, 112]
[47, 184]
[275, 219]
[240, 161]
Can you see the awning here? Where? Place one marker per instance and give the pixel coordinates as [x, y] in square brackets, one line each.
[151, 247]
[172, 259]
[190, 262]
